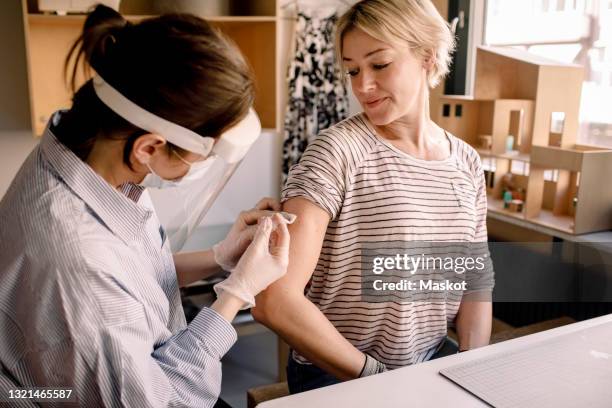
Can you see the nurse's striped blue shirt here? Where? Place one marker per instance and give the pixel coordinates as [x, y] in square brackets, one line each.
[89, 297]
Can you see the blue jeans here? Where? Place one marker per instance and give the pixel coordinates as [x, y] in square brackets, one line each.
[448, 348]
[306, 377]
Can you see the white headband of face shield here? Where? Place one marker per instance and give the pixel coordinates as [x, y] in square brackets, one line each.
[232, 145]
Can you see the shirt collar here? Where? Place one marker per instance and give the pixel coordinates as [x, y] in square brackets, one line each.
[122, 215]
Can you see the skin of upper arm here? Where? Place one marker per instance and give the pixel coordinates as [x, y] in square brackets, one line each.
[307, 233]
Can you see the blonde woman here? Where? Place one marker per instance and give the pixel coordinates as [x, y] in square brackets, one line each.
[387, 174]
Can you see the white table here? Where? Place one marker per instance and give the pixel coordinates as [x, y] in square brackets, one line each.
[420, 385]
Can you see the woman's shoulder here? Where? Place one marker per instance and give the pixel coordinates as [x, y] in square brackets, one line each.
[43, 213]
[465, 153]
[351, 132]
[347, 142]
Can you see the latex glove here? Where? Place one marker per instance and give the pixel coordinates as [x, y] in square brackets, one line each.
[372, 366]
[264, 261]
[227, 252]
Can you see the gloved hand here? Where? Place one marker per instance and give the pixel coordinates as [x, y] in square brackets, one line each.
[264, 261]
[372, 366]
[227, 252]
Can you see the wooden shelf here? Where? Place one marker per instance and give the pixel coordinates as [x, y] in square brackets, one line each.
[243, 19]
[563, 223]
[49, 37]
[52, 18]
[546, 218]
[249, 36]
[484, 152]
[461, 98]
[497, 205]
[79, 18]
[514, 155]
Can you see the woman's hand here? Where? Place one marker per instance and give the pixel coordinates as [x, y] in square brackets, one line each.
[264, 261]
[227, 253]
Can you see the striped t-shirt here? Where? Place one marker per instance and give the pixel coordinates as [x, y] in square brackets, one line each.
[376, 193]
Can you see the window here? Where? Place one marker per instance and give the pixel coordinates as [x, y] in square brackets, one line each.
[572, 31]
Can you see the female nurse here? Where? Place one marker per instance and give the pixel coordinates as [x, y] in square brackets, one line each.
[89, 289]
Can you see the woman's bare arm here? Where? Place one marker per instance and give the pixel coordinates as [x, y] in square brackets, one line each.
[195, 266]
[474, 320]
[284, 308]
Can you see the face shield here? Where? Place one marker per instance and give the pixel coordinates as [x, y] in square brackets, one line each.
[182, 206]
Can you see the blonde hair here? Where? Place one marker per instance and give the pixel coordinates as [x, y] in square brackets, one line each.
[415, 24]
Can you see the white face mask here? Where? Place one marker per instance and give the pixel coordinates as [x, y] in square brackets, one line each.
[197, 171]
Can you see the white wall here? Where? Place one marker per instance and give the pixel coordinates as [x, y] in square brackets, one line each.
[16, 138]
[14, 148]
[14, 94]
[258, 176]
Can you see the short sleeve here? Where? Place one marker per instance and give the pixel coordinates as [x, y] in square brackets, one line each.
[321, 174]
[481, 201]
[482, 279]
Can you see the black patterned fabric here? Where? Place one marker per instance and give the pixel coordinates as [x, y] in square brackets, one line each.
[317, 95]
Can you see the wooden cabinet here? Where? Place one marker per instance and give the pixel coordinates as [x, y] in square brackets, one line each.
[263, 37]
